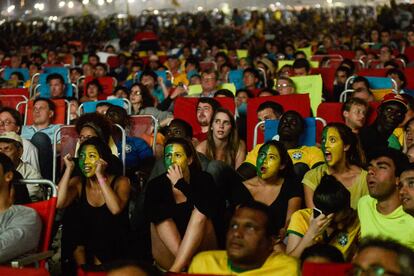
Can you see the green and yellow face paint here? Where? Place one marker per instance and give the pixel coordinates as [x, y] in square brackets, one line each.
[268, 162]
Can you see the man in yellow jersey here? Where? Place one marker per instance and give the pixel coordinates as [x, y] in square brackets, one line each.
[304, 158]
[249, 247]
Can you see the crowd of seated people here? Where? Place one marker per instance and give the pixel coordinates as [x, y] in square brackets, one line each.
[195, 192]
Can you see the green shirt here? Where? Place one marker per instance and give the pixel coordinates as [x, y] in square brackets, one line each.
[397, 225]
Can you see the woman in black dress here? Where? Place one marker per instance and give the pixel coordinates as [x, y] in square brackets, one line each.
[181, 205]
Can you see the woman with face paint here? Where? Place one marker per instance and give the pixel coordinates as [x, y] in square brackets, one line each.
[343, 159]
[100, 195]
[181, 205]
[223, 141]
[275, 184]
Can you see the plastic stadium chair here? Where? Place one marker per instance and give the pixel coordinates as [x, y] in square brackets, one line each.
[143, 126]
[19, 102]
[89, 107]
[108, 84]
[24, 71]
[6, 270]
[297, 102]
[308, 138]
[61, 114]
[15, 91]
[46, 209]
[317, 269]
[236, 77]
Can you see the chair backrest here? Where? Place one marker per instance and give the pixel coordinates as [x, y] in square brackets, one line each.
[369, 72]
[194, 89]
[317, 269]
[24, 71]
[89, 107]
[185, 109]
[19, 102]
[409, 74]
[46, 209]
[297, 102]
[63, 71]
[61, 113]
[328, 78]
[143, 126]
[108, 84]
[236, 77]
[307, 138]
[380, 82]
[15, 91]
[113, 62]
[6, 270]
[43, 87]
[343, 53]
[68, 140]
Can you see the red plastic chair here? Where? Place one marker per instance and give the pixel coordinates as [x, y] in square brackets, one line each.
[317, 269]
[113, 62]
[343, 53]
[82, 272]
[108, 84]
[15, 91]
[370, 72]
[144, 126]
[328, 77]
[68, 140]
[297, 102]
[6, 271]
[18, 102]
[409, 52]
[61, 113]
[409, 74]
[46, 210]
[185, 109]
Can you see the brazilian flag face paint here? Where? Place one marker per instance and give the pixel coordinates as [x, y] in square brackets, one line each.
[87, 160]
[332, 146]
[175, 154]
[268, 162]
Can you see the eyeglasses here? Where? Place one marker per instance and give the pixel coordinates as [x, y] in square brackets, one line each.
[6, 123]
[136, 93]
[283, 85]
[375, 270]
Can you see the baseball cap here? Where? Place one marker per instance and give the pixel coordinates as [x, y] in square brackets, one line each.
[391, 97]
[11, 136]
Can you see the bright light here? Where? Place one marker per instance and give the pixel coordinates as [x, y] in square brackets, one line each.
[278, 4]
[85, 2]
[272, 7]
[70, 4]
[329, 1]
[62, 4]
[200, 8]
[39, 6]
[109, 1]
[11, 8]
[318, 6]
[101, 2]
[131, 1]
[156, 12]
[2, 21]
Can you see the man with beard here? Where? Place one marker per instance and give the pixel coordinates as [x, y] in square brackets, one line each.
[381, 213]
[205, 110]
[378, 136]
[249, 247]
[304, 158]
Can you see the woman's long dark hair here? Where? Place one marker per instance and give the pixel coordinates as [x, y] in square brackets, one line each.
[115, 166]
[285, 159]
[147, 99]
[233, 140]
[355, 155]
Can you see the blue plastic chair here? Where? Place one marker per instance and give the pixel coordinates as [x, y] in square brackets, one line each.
[308, 138]
[58, 70]
[89, 107]
[23, 71]
[236, 77]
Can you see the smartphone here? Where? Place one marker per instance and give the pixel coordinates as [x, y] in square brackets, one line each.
[316, 212]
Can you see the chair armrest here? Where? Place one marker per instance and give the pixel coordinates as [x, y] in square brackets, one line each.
[31, 258]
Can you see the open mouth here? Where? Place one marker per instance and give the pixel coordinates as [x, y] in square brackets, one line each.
[328, 156]
[262, 170]
[220, 132]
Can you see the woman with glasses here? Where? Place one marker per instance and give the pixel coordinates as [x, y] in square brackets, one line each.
[143, 103]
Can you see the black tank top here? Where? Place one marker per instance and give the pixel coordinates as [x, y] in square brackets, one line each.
[104, 234]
